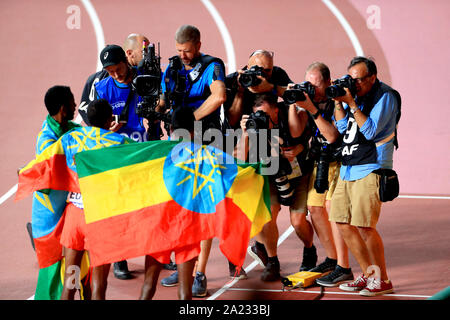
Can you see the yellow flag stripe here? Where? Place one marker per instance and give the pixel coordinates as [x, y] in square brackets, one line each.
[53, 150]
[132, 185]
[246, 193]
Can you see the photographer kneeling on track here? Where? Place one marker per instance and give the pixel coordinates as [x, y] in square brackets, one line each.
[324, 151]
[289, 185]
[368, 119]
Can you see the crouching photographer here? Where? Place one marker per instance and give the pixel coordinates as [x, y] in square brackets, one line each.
[325, 153]
[289, 185]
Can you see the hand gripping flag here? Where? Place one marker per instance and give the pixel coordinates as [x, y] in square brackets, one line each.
[156, 196]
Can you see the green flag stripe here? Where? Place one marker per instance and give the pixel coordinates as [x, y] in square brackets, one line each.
[120, 156]
[128, 154]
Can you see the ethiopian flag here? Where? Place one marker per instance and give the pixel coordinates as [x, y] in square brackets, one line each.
[147, 198]
[55, 168]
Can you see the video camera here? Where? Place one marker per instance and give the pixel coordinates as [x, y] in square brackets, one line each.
[148, 84]
[297, 92]
[337, 89]
[250, 76]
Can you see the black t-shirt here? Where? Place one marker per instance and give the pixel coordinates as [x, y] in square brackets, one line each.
[89, 94]
[279, 77]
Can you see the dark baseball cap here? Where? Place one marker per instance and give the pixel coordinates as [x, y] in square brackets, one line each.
[112, 54]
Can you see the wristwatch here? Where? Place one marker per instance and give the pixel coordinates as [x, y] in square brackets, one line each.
[316, 115]
[353, 110]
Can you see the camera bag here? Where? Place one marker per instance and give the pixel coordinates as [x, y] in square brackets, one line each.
[389, 184]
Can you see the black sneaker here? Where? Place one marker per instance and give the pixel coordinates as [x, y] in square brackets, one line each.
[258, 252]
[336, 277]
[170, 266]
[121, 270]
[326, 266]
[309, 258]
[242, 275]
[271, 272]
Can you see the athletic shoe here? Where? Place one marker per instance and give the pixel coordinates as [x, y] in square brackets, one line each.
[170, 266]
[121, 270]
[199, 285]
[357, 285]
[336, 277]
[309, 258]
[171, 280]
[271, 272]
[326, 266]
[376, 287]
[259, 254]
[242, 275]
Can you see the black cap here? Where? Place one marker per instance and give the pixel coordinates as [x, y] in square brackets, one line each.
[112, 54]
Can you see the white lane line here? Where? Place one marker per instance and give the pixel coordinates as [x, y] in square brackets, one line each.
[424, 197]
[99, 36]
[250, 267]
[98, 29]
[348, 29]
[329, 292]
[9, 194]
[229, 48]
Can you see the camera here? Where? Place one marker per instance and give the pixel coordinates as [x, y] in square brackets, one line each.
[175, 97]
[284, 187]
[297, 92]
[148, 84]
[250, 77]
[337, 89]
[323, 164]
[257, 120]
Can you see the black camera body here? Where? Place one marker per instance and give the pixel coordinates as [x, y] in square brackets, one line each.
[249, 77]
[337, 89]
[148, 84]
[257, 120]
[297, 92]
[175, 97]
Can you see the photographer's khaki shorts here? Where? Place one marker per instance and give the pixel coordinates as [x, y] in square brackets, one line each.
[357, 202]
[316, 199]
[300, 195]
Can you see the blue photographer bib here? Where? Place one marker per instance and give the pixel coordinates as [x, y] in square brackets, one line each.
[117, 94]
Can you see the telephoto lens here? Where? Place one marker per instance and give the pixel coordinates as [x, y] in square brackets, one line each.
[285, 190]
[321, 182]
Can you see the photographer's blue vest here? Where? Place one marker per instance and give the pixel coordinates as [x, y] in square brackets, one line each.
[358, 150]
[207, 69]
[116, 94]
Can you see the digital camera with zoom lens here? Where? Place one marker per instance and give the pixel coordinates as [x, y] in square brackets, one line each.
[297, 92]
[257, 120]
[337, 89]
[249, 77]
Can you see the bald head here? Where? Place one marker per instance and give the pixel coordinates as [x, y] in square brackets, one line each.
[263, 59]
[133, 47]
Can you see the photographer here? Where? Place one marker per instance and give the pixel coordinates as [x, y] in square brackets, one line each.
[368, 121]
[267, 79]
[194, 80]
[289, 185]
[325, 142]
